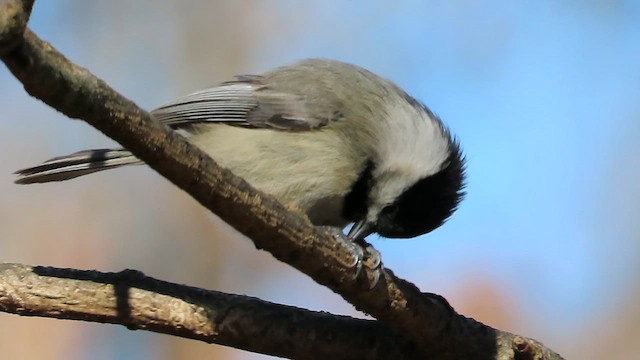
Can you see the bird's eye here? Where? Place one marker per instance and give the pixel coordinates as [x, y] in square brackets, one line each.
[389, 210]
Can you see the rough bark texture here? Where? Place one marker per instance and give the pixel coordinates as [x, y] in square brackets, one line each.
[425, 319]
[136, 301]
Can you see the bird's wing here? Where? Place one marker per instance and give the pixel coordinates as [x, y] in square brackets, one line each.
[246, 102]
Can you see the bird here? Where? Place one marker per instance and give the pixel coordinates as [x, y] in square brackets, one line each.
[337, 141]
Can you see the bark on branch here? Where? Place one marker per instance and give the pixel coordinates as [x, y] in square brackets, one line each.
[427, 320]
[136, 301]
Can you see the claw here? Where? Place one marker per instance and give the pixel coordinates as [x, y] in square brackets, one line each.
[375, 277]
[374, 259]
[373, 262]
[357, 252]
[363, 256]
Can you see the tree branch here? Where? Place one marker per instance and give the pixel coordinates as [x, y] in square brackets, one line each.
[136, 301]
[289, 236]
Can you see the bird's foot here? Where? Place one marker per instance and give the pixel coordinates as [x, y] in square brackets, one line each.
[364, 255]
[372, 261]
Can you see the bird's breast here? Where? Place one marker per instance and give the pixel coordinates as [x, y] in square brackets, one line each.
[313, 170]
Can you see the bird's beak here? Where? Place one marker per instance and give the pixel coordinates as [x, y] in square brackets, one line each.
[361, 230]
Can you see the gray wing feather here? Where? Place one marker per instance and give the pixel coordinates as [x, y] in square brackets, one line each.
[225, 103]
[245, 102]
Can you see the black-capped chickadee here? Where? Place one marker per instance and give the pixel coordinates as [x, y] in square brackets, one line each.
[336, 140]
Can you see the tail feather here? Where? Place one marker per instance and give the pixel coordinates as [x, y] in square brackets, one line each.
[74, 165]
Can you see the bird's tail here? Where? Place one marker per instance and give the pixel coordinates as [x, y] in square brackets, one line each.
[74, 165]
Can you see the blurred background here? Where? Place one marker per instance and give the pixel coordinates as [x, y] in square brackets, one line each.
[544, 97]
